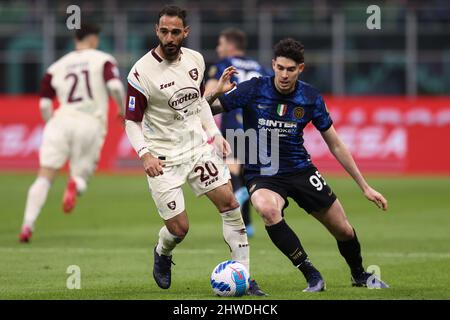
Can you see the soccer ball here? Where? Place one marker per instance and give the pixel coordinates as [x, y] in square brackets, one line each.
[230, 279]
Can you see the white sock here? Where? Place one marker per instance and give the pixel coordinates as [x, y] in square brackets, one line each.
[37, 194]
[166, 242]
[81, 184]
[235, 236]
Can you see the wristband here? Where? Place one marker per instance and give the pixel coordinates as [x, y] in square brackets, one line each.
[142, 151]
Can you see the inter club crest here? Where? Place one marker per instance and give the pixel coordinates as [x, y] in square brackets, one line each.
[194, 74]
[172, 205]
[299, 112]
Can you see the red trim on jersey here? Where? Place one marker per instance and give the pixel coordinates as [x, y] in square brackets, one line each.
[47, 90]
[156, 56]
[202, 88]
[140, 104]
[108, 71]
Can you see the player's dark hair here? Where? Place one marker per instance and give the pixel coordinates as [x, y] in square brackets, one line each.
[173, 11]
[236, 37]
[290, 48]
[87, 29]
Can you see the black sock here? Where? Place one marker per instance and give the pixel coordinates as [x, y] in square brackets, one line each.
[236, 182]
[287, 241]
[245, 210]
[351, 251]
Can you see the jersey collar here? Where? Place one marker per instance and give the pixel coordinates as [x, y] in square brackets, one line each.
[156, 56]
[159, 58]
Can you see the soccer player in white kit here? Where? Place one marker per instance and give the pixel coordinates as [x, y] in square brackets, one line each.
[168, 122]
[82, 81]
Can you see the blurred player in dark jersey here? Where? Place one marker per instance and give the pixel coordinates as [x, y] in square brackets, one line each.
[231, 49]
[282, 106]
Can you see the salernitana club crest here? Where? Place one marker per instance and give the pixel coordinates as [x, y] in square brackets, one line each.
[194, 73]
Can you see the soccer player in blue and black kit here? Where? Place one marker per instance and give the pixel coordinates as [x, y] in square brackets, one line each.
[285, 105]
[231, 49]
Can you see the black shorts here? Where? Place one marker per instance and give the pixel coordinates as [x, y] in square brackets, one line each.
[307, 187]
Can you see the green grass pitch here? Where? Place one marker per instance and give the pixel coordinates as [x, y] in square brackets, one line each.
[112, 231]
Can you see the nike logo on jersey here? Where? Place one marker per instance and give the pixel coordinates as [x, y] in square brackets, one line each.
[263, 107]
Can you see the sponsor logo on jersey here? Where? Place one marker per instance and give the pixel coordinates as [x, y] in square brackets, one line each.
[299, 112]
[172, 205]
[284, 128]
[281, 109]
[166, 85]
[132, 103]
[276, 123]
[194, 74]
[245, 64]
[183, 98]
[187, 113]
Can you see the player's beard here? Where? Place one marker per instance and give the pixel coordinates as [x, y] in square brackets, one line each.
[171, 51]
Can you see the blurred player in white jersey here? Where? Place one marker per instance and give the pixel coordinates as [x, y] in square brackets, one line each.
[168, 122]
[82, 81]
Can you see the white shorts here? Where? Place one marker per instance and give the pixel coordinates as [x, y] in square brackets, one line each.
[73, 136]
[203, 174]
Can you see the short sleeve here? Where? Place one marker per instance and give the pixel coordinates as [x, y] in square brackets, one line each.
[47, 91]
[110, 71]
[241, 96]
[136, 104]
[321, 117]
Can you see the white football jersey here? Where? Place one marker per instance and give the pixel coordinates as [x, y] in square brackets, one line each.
[79, 81]
[167, 97]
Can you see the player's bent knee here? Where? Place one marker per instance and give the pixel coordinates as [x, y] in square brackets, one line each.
[179, 231]
[344, 233]
[270, 215]
[178, 228]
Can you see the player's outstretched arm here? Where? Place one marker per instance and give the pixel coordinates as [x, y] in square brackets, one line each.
[214, 104]
[343, 155]
[223, 85]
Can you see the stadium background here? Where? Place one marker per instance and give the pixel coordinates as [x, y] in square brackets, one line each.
[388, 93]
